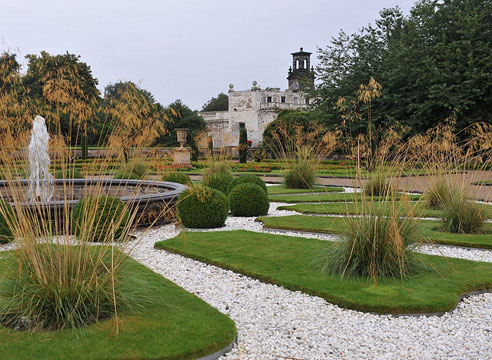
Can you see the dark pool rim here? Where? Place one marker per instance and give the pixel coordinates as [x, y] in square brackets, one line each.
[169, 195]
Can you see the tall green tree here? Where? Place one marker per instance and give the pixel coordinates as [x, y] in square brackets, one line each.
[433, 63]
[219, 103]
[180, 116]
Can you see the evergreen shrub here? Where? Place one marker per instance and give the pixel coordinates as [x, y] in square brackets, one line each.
[249, 179]
[248, 199]
[99, 218]
[202, 207]
[219, 181]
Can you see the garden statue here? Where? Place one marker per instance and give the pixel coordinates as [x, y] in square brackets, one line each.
[181, 154]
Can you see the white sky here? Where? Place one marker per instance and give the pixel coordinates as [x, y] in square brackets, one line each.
[183, 49]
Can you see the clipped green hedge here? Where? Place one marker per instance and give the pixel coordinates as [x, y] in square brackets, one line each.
[202, 207]
[7, 216]
[219, 181]
[135, 170]
[92, 218]
[243, 179]
[69, 174]
[177, 177]
[248, 200]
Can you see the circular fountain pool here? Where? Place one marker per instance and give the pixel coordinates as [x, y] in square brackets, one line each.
[150, 198]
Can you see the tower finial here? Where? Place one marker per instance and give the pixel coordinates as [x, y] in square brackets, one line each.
[301, 49]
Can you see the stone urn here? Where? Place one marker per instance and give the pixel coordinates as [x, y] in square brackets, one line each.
[181, 135]
[181, 155]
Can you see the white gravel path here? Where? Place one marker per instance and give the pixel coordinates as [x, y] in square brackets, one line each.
[275, 323]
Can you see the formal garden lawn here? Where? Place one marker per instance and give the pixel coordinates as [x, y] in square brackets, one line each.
[171, 324]
[280, 189]
[416, 210]
[295, 263]
[330, 197]
[335, 225]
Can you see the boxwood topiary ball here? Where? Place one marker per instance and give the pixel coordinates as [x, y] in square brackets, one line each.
[7, 216]
[92, 218]
[219, 181]
[249, 179]
[202, 207]
[248, 200]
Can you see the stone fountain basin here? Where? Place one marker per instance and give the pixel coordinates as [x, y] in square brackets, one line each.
[150, 197]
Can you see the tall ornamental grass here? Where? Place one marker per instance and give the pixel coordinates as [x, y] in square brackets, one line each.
[301, 152]
[55, 279]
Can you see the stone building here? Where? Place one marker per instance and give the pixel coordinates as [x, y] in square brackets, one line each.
[258, 107]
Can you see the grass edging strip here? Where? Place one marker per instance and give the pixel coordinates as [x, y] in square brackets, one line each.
[287, 261]
[335, 225]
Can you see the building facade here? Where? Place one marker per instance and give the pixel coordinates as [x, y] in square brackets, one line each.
[257, 107]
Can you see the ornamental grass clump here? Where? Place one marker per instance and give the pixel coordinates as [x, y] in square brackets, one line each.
[463, 215]
[301, 173]
[52, 287]
[54, 280]
[376, 244]
[100, 219]
[301, 151]
[437, 194]
[379, 184]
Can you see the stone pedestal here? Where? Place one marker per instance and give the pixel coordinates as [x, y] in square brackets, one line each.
[181, 156]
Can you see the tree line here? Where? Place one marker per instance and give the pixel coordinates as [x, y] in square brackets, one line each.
[63, 89]
[432, 66]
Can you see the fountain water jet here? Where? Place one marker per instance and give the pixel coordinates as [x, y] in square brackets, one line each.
[40, 179]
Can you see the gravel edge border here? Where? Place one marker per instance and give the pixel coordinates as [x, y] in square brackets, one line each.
[219, 353]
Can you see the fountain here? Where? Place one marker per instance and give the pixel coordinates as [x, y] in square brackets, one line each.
[55, 197]
[40, 179]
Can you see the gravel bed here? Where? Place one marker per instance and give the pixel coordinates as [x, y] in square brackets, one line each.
[457, 252]
[275, 323]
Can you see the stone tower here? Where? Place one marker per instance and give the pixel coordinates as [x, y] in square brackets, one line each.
[300, 71]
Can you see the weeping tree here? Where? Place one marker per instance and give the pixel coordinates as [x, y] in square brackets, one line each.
[136, 118]
[63, 89]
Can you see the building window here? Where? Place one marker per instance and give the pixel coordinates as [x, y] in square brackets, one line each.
[282, 99]
[296, 100]
[307, 101]
[297, 64]
[269, 99]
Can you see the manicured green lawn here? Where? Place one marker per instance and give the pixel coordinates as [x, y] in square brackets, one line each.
[330, 197]
[417, 210]
[172, 324]
[294, 264]
[336, 225]
[280, 189]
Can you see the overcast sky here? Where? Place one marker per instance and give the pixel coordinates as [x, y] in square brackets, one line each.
[187, 49]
